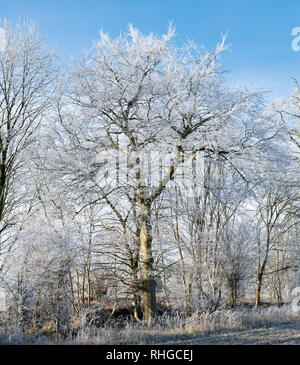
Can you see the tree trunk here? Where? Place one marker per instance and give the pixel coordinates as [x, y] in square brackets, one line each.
[260, 274]
[135, 295]
[136, 305]
[233, 295]
[258, 290]
[83, 285]
[88, 287]
[148, 279]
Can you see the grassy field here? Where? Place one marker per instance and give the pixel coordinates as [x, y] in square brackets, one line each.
[241, 326]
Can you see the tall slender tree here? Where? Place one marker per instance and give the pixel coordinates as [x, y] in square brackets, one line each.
[27, 71]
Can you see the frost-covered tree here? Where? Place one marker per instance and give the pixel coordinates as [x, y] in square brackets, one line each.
[139, 94]
[274, 201]
[26, 75]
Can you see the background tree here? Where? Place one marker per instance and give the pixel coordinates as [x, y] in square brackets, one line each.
[27, 72]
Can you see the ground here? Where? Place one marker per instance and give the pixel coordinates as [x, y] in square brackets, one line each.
[280, 334]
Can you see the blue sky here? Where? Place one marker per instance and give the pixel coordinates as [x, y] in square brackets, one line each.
[259, 30]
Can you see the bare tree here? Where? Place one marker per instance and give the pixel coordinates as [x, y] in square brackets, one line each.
[26, 75]
[274, 219]
[142, 92]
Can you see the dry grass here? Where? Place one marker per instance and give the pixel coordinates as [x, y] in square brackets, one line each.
[178, 327]
[167, 328]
